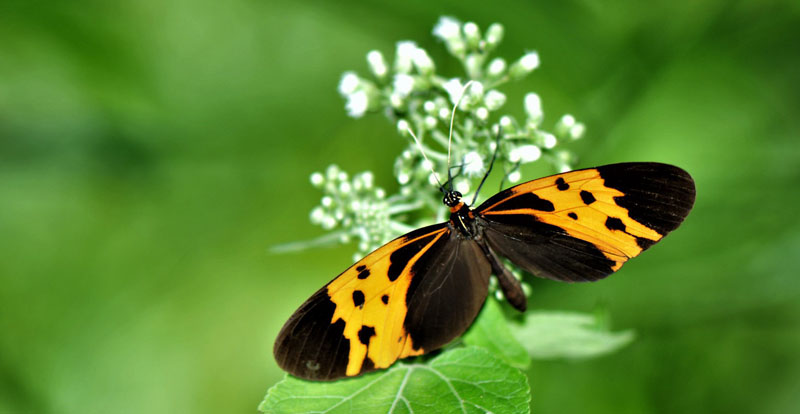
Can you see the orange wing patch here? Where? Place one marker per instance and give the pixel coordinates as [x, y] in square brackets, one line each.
[370, 298]
[581, 204]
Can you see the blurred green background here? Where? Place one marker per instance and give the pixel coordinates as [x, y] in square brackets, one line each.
[152, 151]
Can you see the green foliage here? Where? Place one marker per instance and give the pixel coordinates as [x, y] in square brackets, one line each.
[569, 335]
[464, 380]
[491, 332]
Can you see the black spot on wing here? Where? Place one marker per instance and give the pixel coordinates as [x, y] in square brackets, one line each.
[310, 346]
[657, 195]
[358, 298]
[561, 184]
[524, 201]
[360, 268]
[572, 215]
[385, 299]
[587, 197]
[614, 223]
[365, 333]
[363, 274]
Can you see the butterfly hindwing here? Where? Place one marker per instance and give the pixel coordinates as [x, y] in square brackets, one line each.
[583, 225]
[408, 297]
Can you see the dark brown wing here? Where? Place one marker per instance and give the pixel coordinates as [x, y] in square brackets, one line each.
[583, 225]
[408, 297]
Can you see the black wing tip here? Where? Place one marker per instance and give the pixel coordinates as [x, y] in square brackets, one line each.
[309, 346]
[657, 195]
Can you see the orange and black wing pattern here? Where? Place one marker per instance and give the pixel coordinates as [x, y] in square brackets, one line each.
[583, 225]
[411, 296]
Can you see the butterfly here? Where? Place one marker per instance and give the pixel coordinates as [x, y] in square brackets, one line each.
[421, 290]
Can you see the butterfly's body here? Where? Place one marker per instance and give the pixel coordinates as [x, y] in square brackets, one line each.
[420, 291]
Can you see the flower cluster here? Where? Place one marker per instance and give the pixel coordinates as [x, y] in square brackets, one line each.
[353, 208]
[415, 97]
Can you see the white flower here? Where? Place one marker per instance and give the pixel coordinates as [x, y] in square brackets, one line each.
[422, 61]
[494, 34]
[549, 140]
[349, 83]
[524, 65]
[454, 89]
[577, 131]
[430, 122]
[506, 123]
[405, 55]
[377, 63]
[403, 178]
[514, 177]
[367, 179]
[476, 90]
[317, 214]
[328, 223]
[471, 30]
[402, 127]
[357, 104]
[482, 113]
[396, 100]
[494, 100]
[529, 61]
[533, 106]
[447, 28]
[473, 163]
[496, 67]
[567, 120]
[525, 154]
[403, 84]
[317, 179]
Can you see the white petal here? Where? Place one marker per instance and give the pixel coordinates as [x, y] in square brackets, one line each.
[349, 83]
[530, 61]
[357, 104]
[377, 63]
[533, 106]
[447, 28]
[403, 84]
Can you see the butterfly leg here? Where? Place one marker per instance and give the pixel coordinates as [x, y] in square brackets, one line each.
[511, 286]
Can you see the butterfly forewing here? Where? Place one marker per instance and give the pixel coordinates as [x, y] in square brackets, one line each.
[583, 225]
[410, 296]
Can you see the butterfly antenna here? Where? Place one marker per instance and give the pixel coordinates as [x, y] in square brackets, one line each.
[419, 145]
[450, 137]
[491, 164]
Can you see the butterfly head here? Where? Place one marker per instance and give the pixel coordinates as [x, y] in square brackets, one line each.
[452, 198]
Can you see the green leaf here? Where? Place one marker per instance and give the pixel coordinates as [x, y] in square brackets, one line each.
[462, 380]
[491, 332]
[552, 335]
